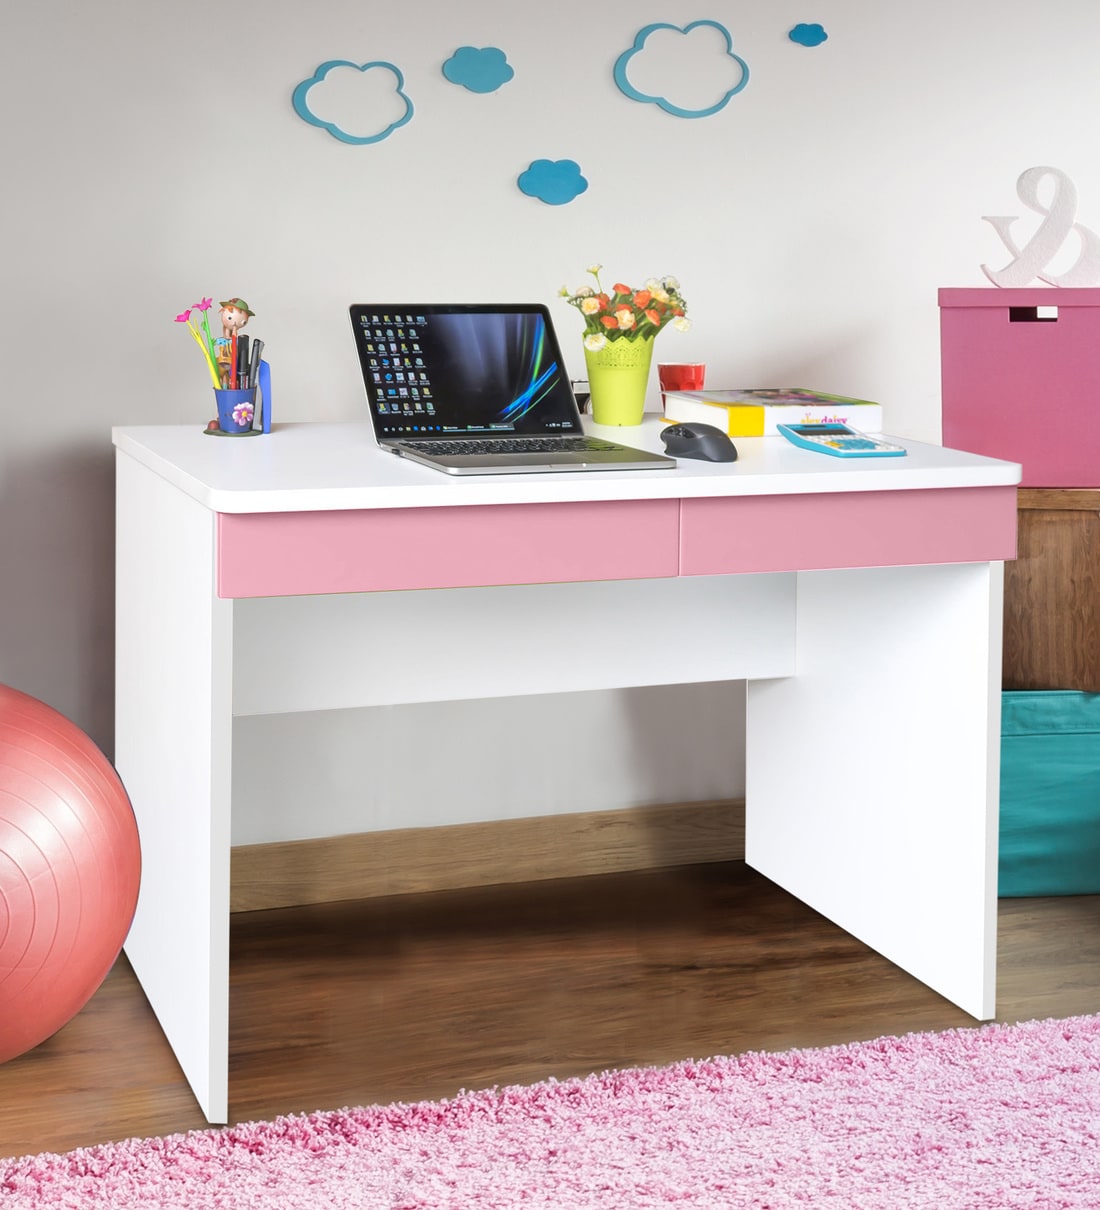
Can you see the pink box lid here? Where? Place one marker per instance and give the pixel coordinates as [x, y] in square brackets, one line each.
[1029, 296]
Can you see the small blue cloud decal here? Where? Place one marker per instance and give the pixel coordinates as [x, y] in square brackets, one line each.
[689, 71]
[479, 70]
[554, 182]
[354, 102]
[808, 35]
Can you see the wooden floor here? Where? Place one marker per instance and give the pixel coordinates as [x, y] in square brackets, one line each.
[419, 996]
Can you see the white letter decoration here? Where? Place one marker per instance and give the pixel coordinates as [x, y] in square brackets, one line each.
[1059, 220]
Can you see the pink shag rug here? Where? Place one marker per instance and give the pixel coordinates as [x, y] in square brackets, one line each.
[998, 1116]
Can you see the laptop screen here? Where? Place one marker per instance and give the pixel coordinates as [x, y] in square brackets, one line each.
[435, 370]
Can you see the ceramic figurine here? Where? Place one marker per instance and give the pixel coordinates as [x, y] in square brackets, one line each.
[234, 314]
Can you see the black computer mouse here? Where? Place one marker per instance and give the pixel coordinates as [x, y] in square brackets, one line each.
[703, 441]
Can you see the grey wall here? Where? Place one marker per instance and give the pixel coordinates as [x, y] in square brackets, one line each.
[151, 156]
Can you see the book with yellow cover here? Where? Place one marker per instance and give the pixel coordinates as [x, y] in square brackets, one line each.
[757, 412]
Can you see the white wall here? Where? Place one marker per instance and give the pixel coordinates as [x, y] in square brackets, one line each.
[152, 156]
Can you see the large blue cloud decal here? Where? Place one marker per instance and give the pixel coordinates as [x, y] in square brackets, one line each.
[355, 102]
[554, 182]
[479, 70]
[695, 62]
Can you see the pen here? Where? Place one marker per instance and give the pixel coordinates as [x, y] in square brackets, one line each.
[242, 362]
[233, 361]
[254, 368]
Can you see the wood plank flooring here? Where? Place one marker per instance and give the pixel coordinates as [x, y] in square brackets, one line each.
[419, 996]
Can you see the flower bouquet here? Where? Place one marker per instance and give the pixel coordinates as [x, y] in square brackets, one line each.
[625, 313]
[620, 326]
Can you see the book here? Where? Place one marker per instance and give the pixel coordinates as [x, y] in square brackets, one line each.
[757, 412]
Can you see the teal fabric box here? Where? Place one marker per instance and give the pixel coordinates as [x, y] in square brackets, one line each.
[1050, 793]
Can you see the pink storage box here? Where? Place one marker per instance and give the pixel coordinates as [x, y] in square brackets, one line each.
[1021, 379]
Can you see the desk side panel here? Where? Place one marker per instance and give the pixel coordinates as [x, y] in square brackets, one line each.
[173, 722]
[370, 550]
[872, 784]
[724, 535]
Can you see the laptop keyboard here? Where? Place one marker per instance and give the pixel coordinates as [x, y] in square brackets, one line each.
[512, 445]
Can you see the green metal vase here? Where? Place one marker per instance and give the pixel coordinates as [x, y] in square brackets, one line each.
[618, 375]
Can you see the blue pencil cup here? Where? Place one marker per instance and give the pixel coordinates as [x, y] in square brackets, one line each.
[236, 409]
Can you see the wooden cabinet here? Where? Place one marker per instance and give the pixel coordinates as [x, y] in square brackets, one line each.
[1052, 592]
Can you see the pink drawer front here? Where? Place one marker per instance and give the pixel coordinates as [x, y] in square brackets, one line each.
[371, 550]
[726, 535]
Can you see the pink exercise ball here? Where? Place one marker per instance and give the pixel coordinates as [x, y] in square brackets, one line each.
[70, 865]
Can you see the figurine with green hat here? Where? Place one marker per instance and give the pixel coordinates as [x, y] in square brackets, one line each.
[234, 314]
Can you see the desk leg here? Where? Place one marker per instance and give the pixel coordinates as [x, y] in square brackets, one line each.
[173, 724]
[872, 776]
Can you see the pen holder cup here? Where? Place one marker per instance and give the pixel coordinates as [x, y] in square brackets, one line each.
[236, 409]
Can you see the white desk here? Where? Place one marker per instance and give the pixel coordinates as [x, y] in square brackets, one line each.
[871, 785]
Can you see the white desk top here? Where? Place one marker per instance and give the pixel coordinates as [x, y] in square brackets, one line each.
[318, 467]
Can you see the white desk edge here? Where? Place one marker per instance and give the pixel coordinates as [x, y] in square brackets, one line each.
[318, 467]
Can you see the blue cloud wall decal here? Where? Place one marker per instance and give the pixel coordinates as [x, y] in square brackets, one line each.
[355, 102]
[707, 42]
[554, 182]
[483, 69]
[808, 35]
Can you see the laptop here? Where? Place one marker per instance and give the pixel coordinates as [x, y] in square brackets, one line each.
[478, 389]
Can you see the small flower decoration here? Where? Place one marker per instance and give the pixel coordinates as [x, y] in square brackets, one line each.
[242, 413]
[624, 313]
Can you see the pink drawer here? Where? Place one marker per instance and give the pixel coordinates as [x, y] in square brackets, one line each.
[732, 534]
[370, 550]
